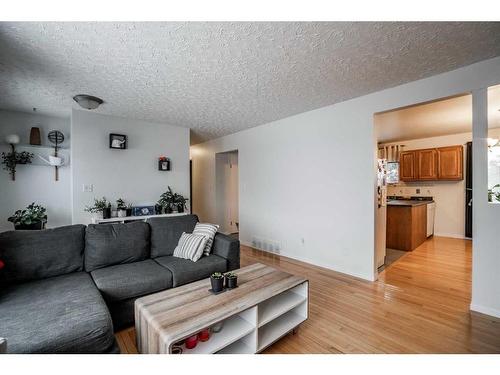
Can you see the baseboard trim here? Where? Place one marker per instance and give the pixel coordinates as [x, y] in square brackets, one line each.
[485, 310]
[309, 261]
[451, 235]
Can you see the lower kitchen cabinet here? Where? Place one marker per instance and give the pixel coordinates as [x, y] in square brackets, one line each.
[406, 226]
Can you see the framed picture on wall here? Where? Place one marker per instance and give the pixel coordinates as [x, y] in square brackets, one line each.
[118, 141]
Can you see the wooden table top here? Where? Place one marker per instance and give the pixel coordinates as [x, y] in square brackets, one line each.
[176, 313]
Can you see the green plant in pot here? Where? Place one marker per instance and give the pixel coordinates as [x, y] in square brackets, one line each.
[180, 202]
[101, 209]
[121, 207]
[217, 281]
[33, 217]
[12, 159]
[231, 280]
[167, 201]
[494, 193]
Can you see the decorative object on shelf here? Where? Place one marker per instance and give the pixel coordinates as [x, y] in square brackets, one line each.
[191, 342]
[88, 101]
[494, 193]
[167, 200]
[129, 210]
[217, 281]
[121, 207]
[163, 163]
[158, 209]
[56, 137]
[217, 327]
[32, 217]
[118, 141]
[101, 209]
[231, 280]
[143, 210]
[179, 202]
[35, 138]
[204, 335]
[12, 159]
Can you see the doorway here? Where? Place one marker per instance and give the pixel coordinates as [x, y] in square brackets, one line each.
[227, 192]
[424, 154]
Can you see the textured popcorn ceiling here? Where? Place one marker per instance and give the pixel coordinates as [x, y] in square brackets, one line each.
[219, 78]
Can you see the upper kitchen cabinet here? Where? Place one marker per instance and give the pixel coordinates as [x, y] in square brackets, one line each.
[427, 164]
[450, 161]
[444, 163]
[407, 166]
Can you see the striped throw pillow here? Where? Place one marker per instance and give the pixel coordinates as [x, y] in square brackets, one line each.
[209, 231]
[190, 246]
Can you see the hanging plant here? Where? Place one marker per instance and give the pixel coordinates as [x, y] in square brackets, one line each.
[11, 159]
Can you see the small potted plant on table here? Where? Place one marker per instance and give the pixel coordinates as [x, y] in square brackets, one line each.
[33, 217]
[217, 281]
[121, 207]
[101, 209]
[231, 280]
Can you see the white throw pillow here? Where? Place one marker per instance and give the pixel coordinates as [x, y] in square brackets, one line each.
[190, 246]
[209, 231]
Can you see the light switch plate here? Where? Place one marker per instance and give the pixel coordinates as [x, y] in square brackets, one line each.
[88, 188]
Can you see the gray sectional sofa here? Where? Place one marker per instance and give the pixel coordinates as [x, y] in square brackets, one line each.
[66, 290]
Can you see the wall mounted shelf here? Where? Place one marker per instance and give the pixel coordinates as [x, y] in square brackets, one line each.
[45, 151]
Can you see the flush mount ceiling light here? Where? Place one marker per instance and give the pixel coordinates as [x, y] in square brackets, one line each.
[88, 101]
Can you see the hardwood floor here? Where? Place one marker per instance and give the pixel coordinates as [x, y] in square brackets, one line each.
[420, 304]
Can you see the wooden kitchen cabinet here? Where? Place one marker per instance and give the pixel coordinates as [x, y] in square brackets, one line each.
[443, 163]
[451, 163]
[427, 164]
[407, 166]
[406, 226]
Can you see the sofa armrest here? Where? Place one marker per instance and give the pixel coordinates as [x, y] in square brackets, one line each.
[228, 248]
[3, 345]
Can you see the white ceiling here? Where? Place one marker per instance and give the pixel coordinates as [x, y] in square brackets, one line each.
[219, 78]
[444, 117]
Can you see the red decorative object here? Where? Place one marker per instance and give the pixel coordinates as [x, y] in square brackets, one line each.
[191, 342]
[2, 264]
[204, 335]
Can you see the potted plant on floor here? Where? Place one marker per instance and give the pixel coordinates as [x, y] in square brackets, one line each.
[121, 207]
[217, 281]
[231, 280]
[100, 210]
[33, 217]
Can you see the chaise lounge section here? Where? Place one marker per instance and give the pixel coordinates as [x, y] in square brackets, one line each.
[66, 290]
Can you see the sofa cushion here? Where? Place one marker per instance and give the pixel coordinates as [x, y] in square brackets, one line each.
[37, 254]
[110, 244]
[185, 271]
[166, 231]
[137, 279]
[63, 314]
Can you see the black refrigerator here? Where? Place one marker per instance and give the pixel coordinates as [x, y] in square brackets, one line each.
[468, 190]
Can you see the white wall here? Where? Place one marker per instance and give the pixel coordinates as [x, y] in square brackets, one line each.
[131, 174]
[448, 195]
[34, 182]
[312, 176]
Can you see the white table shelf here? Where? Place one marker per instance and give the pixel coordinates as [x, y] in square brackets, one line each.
[134, 218]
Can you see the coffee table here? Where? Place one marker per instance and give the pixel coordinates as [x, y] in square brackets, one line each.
[267, 304]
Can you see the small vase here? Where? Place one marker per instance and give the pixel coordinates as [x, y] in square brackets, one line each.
[180, 208]
[217, 284]
[204, 335]
[168, 210]
[129, 211]
[97, 215]
[106, 213]
[122, 213]
[191, 342]
[217, 327]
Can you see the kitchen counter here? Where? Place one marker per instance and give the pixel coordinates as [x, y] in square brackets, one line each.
[406, 203]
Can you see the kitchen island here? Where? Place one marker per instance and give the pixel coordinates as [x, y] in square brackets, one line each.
[406, 224]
